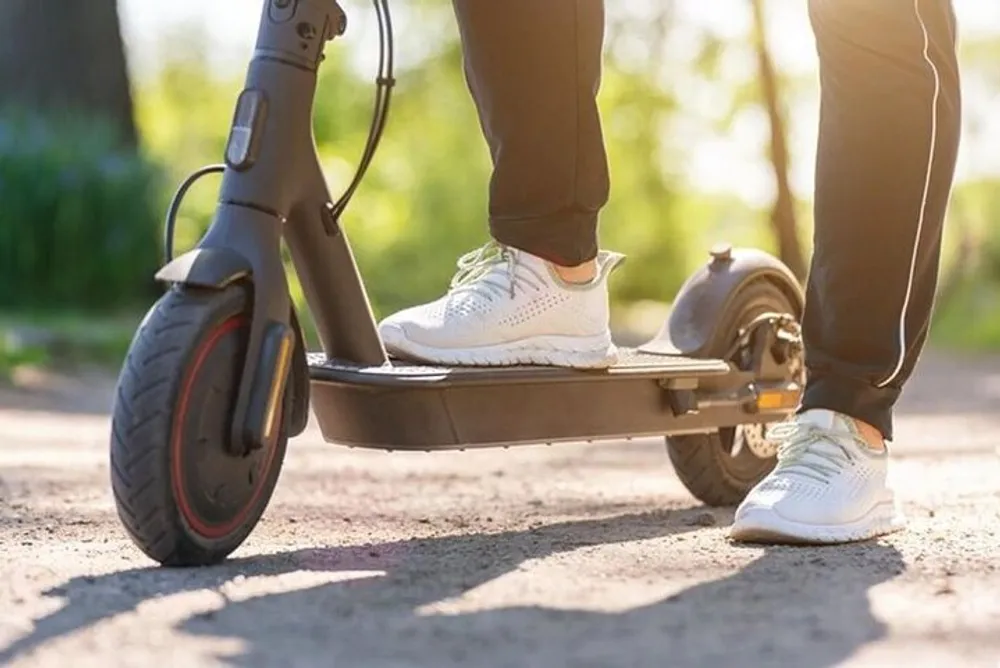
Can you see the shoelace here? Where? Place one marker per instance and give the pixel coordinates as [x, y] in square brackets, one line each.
[810, 451]
[476, 268]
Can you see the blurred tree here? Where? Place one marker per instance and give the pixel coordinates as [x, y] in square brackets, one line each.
[783, 211]
[71, 176]
[66, 58]
[742, 70]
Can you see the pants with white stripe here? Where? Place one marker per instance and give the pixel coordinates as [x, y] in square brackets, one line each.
[889, 131]
[889, 134]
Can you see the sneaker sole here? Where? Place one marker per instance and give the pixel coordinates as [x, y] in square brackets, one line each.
[579, 352]
[768, 528]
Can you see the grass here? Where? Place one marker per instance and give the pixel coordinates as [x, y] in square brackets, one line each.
[970, 320]
[13, 355]
[64, 339]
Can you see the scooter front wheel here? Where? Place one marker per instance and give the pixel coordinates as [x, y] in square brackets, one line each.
[182, 497]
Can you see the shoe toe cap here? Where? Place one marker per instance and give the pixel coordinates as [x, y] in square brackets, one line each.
[398, 337]
[783, 499]
[392, 328]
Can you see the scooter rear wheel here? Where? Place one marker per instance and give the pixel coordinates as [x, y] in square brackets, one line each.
[182, 497]
[712, 470]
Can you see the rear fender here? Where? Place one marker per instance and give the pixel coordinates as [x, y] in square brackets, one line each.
[700, 307]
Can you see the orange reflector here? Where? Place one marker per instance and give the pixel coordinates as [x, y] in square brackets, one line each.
[776, 400]
[284, 356]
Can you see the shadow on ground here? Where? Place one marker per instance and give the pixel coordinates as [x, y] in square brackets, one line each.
[801, 607]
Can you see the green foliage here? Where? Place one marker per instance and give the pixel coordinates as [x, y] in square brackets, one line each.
[67, 337]
[14, 354]
[969, 319]
[79, 225]
[966, 315]
[978, 203]
[979, 55]
[641, 219]
[424, 199]
[183, 116]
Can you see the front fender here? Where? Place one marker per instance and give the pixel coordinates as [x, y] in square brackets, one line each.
[705, 297]
[214, 267]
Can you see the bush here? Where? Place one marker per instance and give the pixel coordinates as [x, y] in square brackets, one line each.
[14, 353]
[79, 217]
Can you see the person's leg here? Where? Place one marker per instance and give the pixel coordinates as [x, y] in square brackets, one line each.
[888, 141]
[538, 294]
[889, 134]
[534, 70]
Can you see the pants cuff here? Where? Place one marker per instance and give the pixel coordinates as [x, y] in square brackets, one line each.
[565, 239]
[854, 397]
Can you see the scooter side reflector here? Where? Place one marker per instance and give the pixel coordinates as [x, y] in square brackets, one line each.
[277, 384]
[268, 386]
[777, 400]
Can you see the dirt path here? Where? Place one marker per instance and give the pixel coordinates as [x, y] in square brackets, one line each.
[569, 556]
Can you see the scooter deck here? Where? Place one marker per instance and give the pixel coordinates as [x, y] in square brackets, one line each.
[632, 363]
[415, 407]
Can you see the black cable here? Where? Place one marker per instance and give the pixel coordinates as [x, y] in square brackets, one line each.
[384, 83]
[175, 205]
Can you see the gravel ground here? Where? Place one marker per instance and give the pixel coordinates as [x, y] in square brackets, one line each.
[578, 555]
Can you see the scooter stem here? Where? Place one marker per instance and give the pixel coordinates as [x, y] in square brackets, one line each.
[274, 168]
[273, 187]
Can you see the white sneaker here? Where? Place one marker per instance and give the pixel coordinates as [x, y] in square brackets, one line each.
[829, 486]
[506, 307]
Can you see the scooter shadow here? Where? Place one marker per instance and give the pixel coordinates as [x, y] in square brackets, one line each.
[803, 607]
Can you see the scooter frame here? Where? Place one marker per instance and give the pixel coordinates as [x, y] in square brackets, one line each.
[273, 188]
[217, 378]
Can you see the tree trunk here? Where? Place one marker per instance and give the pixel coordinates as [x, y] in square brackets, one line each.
[66, 57]
[783, 214]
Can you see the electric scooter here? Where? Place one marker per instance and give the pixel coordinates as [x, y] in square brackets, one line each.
[218, 379]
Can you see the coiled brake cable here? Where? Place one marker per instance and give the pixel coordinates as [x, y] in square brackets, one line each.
[384, 83]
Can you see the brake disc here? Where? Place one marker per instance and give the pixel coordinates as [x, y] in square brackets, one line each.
[754, 438]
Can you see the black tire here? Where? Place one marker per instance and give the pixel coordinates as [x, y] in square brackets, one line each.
[182, 498]
[704, 462]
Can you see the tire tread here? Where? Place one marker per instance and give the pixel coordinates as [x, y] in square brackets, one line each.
[148, 389]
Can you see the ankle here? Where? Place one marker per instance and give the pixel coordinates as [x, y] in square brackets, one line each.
[870, 434]
[581, 273]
